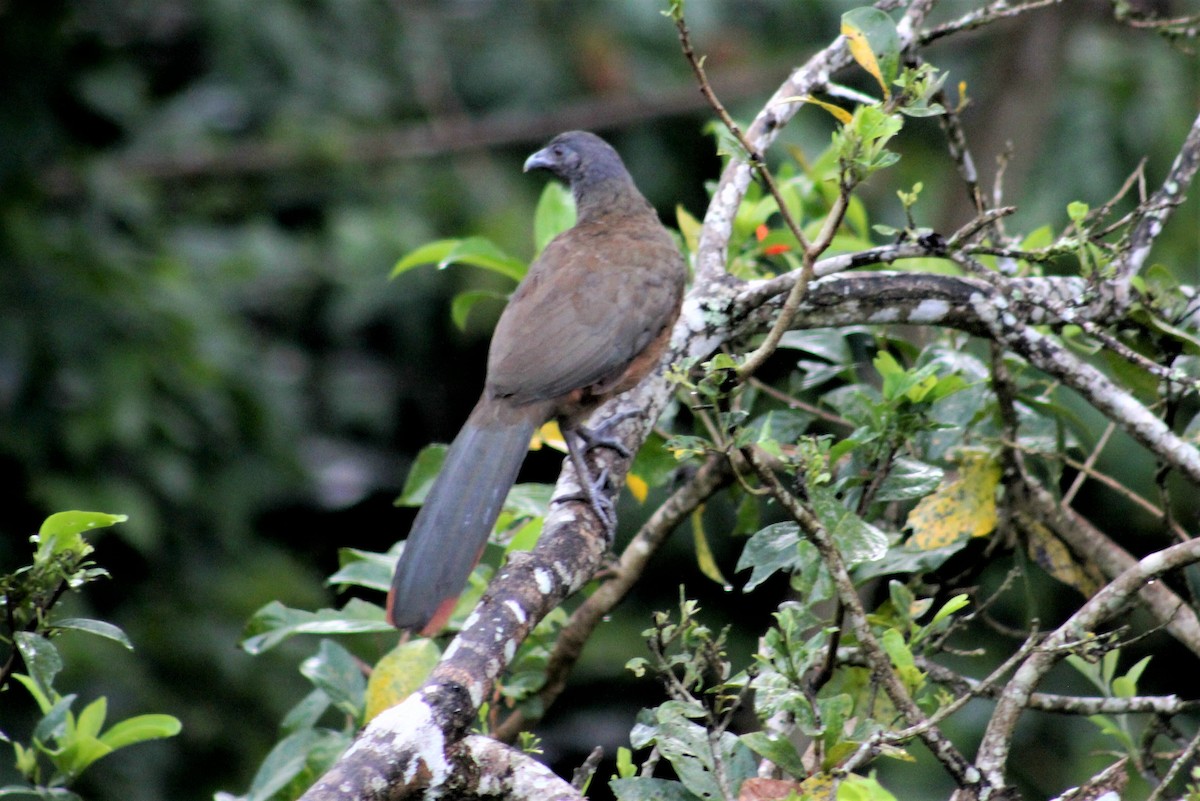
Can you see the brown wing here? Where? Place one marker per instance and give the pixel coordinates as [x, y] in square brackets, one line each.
[590, 304]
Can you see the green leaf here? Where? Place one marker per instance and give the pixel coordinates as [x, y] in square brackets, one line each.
[857, 540]
[862, 788]
[914, 385]
[463, 302]
[476, 251]
[689, 228]
[424, 470]
[98, 627]
[525, 537]
[79, 755]
[306, 713]
[364, 569]
[285, 762]
[882, 59]
[1189, 340]
[91, 720]
[337, 673]
[828, 343]
[704, 555]
[688, 747]
[554, 214]
[66, 524]
[769, 551]
[780, 425]
[275, 622]
[654, 462]
[956, 603]
[625, 766]
[908, 479]
[902, 658]
[1135, 672]
[55, 719]
[645, 788]
[529, 500]
[777, 750]
[41, 661]
[140, 728]
[44, 793]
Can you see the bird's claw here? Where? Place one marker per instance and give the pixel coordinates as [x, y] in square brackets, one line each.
[600, 436]
[593, 492]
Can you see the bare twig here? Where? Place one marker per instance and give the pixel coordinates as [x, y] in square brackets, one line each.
[869, 748]
[992, 12]
[1179, 763]
[1157, 209]
[997, 739]
[584, 773]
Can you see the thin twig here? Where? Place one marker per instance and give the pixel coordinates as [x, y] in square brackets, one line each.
[868, 748]
[882, 671]
[810, 251]
[998, 10]
[997, 739]
[1184, 759]
[1085, 469]
[793, 402]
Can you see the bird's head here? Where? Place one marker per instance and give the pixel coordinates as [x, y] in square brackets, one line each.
[579, 158]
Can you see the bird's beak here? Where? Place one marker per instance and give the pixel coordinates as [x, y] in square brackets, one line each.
[543, 159]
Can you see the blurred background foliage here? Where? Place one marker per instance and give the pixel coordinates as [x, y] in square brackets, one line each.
[200, 201]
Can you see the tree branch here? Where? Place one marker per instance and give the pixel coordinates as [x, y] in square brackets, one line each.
[712, 476]
[993, 750]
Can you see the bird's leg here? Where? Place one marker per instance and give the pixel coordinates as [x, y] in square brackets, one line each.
[592, 488]
[599, 436]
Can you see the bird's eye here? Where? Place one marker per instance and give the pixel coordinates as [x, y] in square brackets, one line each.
[559, 150]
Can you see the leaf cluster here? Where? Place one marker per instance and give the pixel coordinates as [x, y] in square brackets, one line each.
[63, 743]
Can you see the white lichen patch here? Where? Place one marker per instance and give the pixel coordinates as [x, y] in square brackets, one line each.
[930, 311]
[411, 726]
[517, 612]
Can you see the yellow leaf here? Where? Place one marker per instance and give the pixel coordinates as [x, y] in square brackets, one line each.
[638, 487]
[704, 554]
[399, 673]
[689, 226]
[861, 50]
[819, 787]
[964, 507]
[839, 113]
[550, 436]
[1055, 558]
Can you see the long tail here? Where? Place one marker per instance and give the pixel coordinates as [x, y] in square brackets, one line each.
[450, 530]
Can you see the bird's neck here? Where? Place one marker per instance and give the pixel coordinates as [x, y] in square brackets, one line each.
[599, 197]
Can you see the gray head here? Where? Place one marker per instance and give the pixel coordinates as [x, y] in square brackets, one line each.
[580, 158]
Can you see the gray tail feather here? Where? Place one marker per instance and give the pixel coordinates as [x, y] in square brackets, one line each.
[453, 525]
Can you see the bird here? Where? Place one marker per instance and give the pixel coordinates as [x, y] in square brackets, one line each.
[589, 320]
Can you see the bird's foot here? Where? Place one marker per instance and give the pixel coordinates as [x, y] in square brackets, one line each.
[600, 435]
[594, 490]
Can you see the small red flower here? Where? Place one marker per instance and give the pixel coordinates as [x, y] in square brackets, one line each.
[761, 233]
